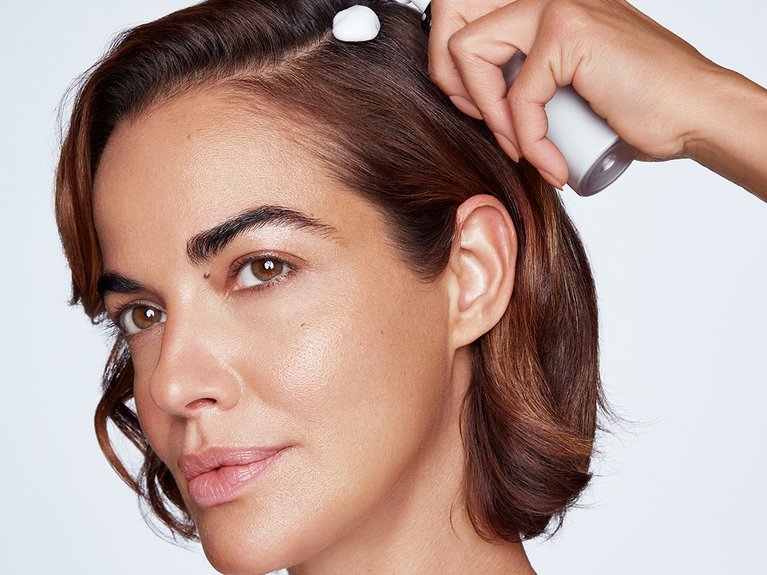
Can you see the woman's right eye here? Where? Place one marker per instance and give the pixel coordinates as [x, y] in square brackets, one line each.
[140, 317]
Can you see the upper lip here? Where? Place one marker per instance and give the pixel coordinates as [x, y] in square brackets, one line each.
[194, 464]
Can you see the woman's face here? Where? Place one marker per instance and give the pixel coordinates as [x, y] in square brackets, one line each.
[292, 373]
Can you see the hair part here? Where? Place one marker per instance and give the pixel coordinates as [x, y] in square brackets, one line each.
[371, 114]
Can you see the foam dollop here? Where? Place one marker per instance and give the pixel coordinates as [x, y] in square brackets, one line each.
[356, 24]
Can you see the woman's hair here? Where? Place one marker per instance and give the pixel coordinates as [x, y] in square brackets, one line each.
[373, 118]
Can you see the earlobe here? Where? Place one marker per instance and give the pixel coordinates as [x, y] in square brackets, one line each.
[481, 268]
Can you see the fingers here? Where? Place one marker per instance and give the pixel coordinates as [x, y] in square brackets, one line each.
[448, 17]
[466, 52]
[477, 51]
[533, 88]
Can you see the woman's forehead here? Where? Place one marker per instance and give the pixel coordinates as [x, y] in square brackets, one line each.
[198, 136]
[202, 158]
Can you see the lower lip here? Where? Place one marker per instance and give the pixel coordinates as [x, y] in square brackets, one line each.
[226, 483]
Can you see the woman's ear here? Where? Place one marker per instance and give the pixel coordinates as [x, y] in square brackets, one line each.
[481, 268]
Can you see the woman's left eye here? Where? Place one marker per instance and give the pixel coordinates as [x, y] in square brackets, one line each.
[260, 271]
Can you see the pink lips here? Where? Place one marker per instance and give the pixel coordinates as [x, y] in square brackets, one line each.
[219, 475]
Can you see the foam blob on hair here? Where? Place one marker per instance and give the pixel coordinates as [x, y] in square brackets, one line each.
[356, 24]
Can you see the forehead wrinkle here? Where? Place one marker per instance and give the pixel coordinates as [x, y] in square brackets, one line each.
[207, 244]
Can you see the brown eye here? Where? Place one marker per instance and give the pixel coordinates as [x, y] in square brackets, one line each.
[140, 318]
[266, 269]
[260, 271]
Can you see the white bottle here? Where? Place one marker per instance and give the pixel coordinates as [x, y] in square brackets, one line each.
[594, 153]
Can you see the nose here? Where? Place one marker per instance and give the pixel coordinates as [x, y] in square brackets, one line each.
[192, 374]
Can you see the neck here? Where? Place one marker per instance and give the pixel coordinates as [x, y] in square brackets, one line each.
[416, 541]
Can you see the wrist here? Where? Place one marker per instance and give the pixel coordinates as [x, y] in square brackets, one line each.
[730, 133]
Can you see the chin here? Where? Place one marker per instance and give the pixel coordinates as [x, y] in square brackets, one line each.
[250, 540]
[235, 555]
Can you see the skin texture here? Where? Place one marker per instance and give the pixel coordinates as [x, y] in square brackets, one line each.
[346, 363]
[655, 90]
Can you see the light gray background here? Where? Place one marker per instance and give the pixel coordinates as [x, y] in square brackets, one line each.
[680, 257]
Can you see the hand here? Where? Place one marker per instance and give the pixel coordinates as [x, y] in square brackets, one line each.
[655, 90]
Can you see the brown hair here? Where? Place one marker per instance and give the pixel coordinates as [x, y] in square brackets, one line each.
[384, 130]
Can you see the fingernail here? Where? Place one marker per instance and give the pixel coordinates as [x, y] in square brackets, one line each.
[507, 146]
[550, 179]
[466, 106]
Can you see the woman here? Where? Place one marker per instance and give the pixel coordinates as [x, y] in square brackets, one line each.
[358, 337]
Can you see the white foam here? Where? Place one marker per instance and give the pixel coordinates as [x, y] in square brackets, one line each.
[356, 24]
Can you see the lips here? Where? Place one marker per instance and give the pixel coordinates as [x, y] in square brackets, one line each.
[219, 475]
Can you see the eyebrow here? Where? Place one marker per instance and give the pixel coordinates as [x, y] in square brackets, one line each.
[207, 244]
[111, 282]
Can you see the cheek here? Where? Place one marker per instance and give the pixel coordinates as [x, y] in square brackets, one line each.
[349, 357]
[365, 381]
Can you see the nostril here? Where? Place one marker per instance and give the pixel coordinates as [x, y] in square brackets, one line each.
[200, 403]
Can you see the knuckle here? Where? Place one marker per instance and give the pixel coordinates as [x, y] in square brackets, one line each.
[462, 44]
[568, 19]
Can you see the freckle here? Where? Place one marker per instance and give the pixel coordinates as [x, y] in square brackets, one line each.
[207, 275]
